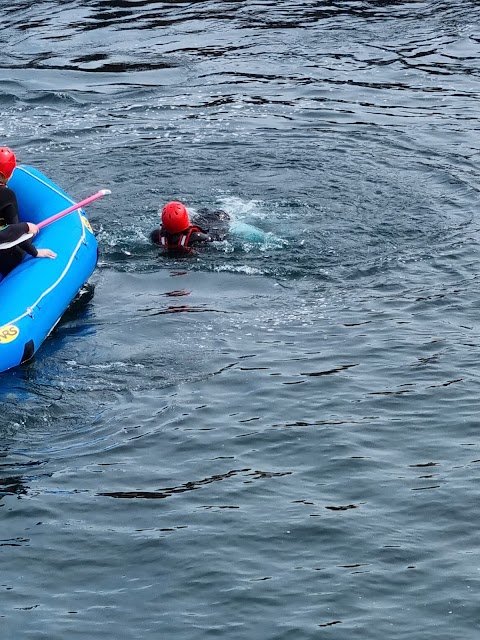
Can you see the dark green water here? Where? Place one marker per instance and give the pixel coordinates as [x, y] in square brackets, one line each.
[275, 441]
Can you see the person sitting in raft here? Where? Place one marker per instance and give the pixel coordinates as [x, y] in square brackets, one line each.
[177, 234]
[10, 226]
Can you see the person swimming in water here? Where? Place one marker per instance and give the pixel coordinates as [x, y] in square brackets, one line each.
[178, 235]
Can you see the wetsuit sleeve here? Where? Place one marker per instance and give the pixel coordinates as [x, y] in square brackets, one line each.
[29, 247]
[155, 236]
[213, 235]
[198, 236]
[13, 232]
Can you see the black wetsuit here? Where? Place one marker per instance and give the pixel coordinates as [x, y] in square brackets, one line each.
[11, 258]
[209, 226]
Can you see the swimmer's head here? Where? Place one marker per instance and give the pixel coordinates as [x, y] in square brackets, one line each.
[175, 217]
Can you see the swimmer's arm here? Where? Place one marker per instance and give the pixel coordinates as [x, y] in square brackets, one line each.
[155, 236]
[198, 236]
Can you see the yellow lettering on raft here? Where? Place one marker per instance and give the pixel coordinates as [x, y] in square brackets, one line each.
[86, 224]
[8, 333]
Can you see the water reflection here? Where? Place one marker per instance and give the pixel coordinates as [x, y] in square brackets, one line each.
[12, 485]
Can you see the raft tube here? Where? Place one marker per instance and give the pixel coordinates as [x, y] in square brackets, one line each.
[35, 295]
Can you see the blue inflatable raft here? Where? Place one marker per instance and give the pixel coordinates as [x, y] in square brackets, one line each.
[34, 296]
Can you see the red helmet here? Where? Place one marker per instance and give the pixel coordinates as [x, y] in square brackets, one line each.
[175, 217]
[8, 162]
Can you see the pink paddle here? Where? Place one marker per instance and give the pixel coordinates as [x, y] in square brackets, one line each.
[57, 216]
[74, 207]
